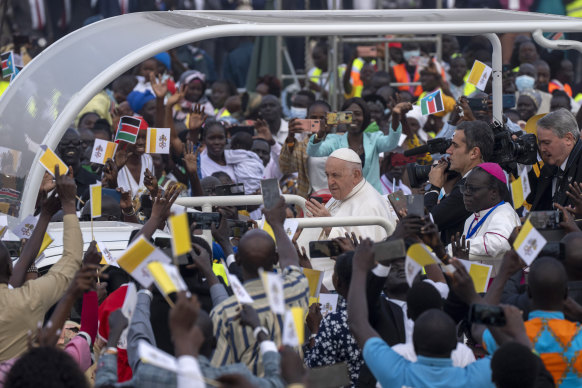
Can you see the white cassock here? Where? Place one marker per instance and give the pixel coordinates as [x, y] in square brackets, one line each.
[490, 241]
[363, 200]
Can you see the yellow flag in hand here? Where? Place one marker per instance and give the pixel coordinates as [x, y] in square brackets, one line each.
[167, 277]
[95, 193]
[180, 234]
[49, 160]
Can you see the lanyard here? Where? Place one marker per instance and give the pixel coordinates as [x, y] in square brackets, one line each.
[471, 232]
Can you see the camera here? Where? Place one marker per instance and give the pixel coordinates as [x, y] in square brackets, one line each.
[433, 146]
[418, 174]
[487, 315]
[547, 222]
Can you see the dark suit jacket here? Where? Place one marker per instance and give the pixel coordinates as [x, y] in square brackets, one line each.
[450, 214]
[541, 195]
[386, 318]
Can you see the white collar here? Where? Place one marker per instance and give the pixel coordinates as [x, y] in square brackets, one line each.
[563, 165]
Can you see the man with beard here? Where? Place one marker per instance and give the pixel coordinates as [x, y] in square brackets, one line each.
[69, 150]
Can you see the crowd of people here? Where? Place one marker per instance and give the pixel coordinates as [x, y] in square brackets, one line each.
[64, 325]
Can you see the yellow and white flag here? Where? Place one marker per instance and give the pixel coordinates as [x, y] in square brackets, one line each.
[49, 160]
[26, 227]
[136, 258]
[95, 198]
[273, 285]
[479, 75]
[293, 327]
[180, 234]
[529, 242]
[417, 257]
[103, 150]
[158, 141]
[46, 241]
[106, 255]
[520, 189]
[314, 280]
[480, 273]
[238, 290]
[167, 277]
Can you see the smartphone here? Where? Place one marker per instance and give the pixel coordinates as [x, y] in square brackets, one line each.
[478, 104]
[271, 193]
[415, 205]
[367, 51]
[233, 189]
[111, 193]
[318, 199]
[204, 220]
[336, 118]
[324, 249]
[237, 228]
[310, 126]
[335, 375]
[397, 200]
[487, 315]
[387, 251]
[241, 128]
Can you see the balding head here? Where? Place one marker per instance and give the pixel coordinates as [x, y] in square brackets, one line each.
[573, 252]
[5, 264]
[548, 284]
[256, 249]
[342, 176]
[434, 334]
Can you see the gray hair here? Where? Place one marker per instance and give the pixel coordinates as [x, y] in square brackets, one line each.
[560, 122]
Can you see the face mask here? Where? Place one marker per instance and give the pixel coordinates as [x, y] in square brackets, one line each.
[524, 82]
[410, 54]
[298, 113]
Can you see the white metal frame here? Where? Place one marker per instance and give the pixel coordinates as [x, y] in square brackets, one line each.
[182, 27]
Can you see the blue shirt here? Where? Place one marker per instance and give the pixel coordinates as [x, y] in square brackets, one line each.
[393, 370]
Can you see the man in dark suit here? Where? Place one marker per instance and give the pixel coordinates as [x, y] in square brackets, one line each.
[561, 150]
[472, 145]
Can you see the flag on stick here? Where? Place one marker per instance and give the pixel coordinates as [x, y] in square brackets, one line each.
[479, 75]
[529, 242]
[273, 285]
[180, 234]
[95, 194]
[26, 227]
[167, 278]
[417, 257]
[293, 328]
[128, 129]
[136, 258]
[158, 141]
[8, 66]
[103, 150]
[432, 103]
[49, 160]
[520, 189]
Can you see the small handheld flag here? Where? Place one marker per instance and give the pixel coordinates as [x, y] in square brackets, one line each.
[136, 258]
[273, 285]
[167, 278]
[529, 242]
[293, 328]
[480, 273]
[158, 141]
[417, 257]
[95, 194]
[46, 241]
[49, 160]
[103, 150]
[520, 189]
[180, 234]
[130, 301]
[432, 103]
[26, 227]
[238, 290]
[479, 75]
[8, 66]
[314, 280]
[128, 129]
[107, 257]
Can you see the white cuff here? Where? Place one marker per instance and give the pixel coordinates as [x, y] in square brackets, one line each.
[268, 346]
[229, 260]
[146, 292]
[189, 373]
[441, 287]
[381, 271]
[86, 336]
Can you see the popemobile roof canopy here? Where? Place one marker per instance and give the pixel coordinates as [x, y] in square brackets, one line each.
[50, 91]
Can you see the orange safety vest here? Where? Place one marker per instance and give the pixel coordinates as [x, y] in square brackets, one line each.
[418, 91]
[557, 85]
[402, 76]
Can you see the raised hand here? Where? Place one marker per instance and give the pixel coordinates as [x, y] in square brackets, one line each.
[197, 117]
[160, 88]
[304, 261]
[92, 255]
[248, 316]
[150, 182]
[51, 205]
[277, 215]
[48, 183]
[314, 317]
[462, 283]
[121, 157]
[176, 97]
[316, 209]
[190, 159]
[263, 131]
[110, 172]
[575, 194]
[461, 246]
[67, 189]
[568, 222]
[364, 255]
[125, 201]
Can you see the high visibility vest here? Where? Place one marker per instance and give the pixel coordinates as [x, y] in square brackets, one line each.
[316, 75]
[3, 86]
[574, 9]
[402, 76]
[557, 85]
[355, 80]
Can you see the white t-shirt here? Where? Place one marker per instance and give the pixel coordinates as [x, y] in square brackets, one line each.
[209, 167]
[126, 181]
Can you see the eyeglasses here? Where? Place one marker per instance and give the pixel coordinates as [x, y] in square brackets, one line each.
[468, 189]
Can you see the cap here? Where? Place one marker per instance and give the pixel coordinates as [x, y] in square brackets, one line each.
[346, 154]
[495, 170]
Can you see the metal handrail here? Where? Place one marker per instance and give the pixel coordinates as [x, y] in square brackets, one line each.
[235, 200]
[322, 222]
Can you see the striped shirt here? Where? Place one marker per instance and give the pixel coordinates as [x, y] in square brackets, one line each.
[236, 343]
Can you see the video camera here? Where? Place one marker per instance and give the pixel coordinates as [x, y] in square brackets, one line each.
[507, 152]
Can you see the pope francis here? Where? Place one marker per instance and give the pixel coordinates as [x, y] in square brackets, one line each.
[352, 196]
